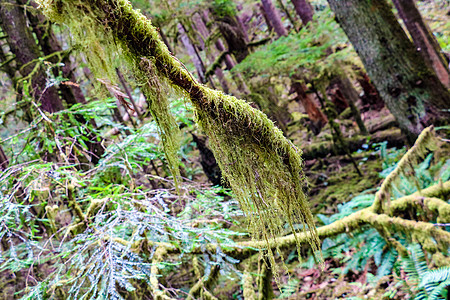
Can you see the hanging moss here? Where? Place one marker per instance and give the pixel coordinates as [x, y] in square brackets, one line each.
[262, 166]
[425, 143]
[104, 54]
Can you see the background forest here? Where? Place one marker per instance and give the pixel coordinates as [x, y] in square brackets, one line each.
[131, 169]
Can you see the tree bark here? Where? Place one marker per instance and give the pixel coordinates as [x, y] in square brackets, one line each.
[288, 14]
[4, 162]
[190, 48]
[72, 94]
[317, 117]
[423, 39]
[230, 63]
[304, 10]
[208, 161]
[266, 18]
[22, 44]
[412, 92]
[233, 35]
[274, 18]
[349, 92]
[371, 98]
[204, 34]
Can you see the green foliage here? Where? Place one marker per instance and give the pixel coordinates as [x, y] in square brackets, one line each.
[357, 249]
[224, 8]
[109, 253]
[427, 284]
[263, 168]
[319, 51]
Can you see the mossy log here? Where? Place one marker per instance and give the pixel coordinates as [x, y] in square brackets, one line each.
[393, 137]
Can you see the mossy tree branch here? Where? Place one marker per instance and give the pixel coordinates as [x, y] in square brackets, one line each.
[426, 141]
[262, 166]
[425, 198]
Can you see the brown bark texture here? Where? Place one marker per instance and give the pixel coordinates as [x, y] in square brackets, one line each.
[22, 44]
[304, 10]
[190, 48]
[315, 114]
[4, 161]
[423, 39]
[274, 18]
[411, 90]
[349, 92]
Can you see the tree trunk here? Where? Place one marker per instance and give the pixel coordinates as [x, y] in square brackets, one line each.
[274, 18]
[371, 98]
[208, 161]
[266, 18]
[22, 44]
[288, 15]
[349, 92]
[72, 94]
[4, 162]
[233, 34]
[423, 39]
[230, 63]
[317, 117]
[204, 34]
[412, 92]
[190, 48]
[304, 10]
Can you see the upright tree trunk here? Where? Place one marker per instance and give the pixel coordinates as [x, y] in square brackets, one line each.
[317, 117]
[233, 35]
[423, 39]
[274, 17]
[204, 33]
[266, 18]
[288, 14]
[22, 44]
[412, 92]
[4, 162]
[371, 98]
[72, 94]
[190, 48]
[208, 161]
[304, 10]
[349, 92]
[230, 63]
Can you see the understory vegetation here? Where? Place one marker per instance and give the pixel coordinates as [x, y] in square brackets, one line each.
[127, 173]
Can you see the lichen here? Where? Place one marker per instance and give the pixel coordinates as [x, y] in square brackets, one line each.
[263, 168]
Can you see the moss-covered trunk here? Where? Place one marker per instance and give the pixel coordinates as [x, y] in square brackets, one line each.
[232, 33]
[412, 92]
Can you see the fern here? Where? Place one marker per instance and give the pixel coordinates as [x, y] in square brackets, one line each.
[427, 284]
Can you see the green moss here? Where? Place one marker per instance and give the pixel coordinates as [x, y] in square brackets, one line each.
[341, 185]
[426, 142]
[106, 51]
[262, 166]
